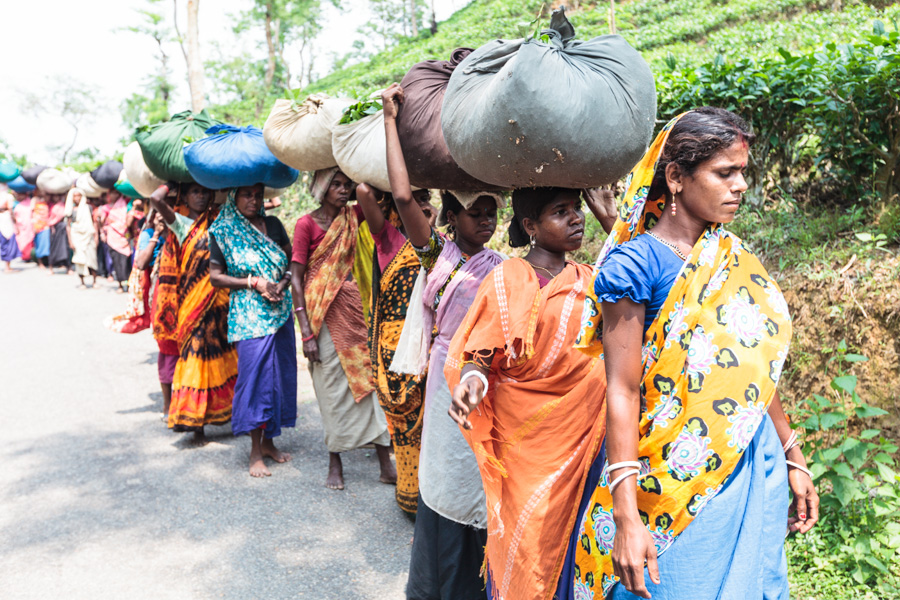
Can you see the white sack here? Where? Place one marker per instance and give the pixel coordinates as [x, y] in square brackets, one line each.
[138, 173]
[299, 135]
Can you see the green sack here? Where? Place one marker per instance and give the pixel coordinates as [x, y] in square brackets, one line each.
[8, 171]
[162, 144]
[127, 189]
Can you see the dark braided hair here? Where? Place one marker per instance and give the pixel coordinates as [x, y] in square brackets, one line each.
[698, 136]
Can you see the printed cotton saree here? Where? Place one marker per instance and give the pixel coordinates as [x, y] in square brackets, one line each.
[539, 428]
[711, 362]
[401, 396]
[206, 372]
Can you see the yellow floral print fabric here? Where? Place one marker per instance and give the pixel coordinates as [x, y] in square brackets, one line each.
[711, 362]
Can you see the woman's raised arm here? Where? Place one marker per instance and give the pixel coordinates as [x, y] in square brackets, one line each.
[414, 219]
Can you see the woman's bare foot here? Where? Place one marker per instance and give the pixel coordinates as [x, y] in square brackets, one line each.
[388, 471]
[268, 449]
[335, 479]
[199, 438]
[257, 466]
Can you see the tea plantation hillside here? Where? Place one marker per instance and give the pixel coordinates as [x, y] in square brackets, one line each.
[669, 33]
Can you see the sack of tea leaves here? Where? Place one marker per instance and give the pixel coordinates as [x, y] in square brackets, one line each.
[20, 185]
[235, 157]
[138, 173]
[30, 174]
[162, 144]
[550, 111]
[54, 181]
[87, 185]
[360, 150]
[428, 159]
[107, 174]
[8, 171]
[299, 134]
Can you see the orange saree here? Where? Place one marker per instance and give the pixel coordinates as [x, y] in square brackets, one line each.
[539, 428]
[203, 387]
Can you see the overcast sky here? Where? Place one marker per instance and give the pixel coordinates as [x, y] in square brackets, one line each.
[47, 39]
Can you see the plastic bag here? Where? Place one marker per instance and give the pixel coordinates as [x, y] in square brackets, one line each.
[560, 112]
[299, 135]
[138, 173]
[107, 174]
[53, 181]
[162, 145]
[236, 157]
[428, 159]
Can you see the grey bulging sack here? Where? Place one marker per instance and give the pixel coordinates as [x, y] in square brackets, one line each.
[567, 113]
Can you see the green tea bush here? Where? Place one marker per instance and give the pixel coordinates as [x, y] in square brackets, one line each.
[830, 117]
[855, 470]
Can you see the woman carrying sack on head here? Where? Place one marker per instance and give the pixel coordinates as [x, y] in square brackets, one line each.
[400, 395]
[249, 256]
[196, 314]
[530, 405]
[699, 457]
[328, 307]
[9, 249]
[116, 231]
[82, 235]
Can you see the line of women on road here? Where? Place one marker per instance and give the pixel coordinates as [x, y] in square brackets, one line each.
[614, 430]
[95, 237]
[623, 419]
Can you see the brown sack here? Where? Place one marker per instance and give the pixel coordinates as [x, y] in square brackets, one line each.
[427, 157]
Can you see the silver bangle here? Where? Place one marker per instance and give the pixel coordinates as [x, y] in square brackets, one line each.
[800, 468]
[478, 375]
[621, 478]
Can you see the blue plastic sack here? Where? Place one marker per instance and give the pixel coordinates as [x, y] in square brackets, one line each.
[236, 157]
[20, 186]
[8, 171]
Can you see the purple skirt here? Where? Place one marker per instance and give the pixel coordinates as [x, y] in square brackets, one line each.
[265, 394]
[9, 249]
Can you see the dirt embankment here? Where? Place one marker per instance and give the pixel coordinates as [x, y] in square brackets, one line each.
[859, 305]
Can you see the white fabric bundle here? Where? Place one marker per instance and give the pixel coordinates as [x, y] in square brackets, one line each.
[299, 135]
[138, 173]
[360, 149]
[87, 185]
[54, 181]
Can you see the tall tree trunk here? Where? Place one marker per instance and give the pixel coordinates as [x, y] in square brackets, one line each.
[72, 145]
[434, 27]
[270, 45]
[612, 16]
[195, 64]
[412, 18]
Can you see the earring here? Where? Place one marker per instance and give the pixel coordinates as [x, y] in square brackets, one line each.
[532, 240]
[674, 207]
[451, 231]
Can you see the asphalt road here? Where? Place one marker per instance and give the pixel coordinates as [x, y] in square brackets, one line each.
[99, 500]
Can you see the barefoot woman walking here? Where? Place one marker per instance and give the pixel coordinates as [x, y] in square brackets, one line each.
[329, 312]
[249, 255]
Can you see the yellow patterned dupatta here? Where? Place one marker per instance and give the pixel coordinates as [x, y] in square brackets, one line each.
[711, 362]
